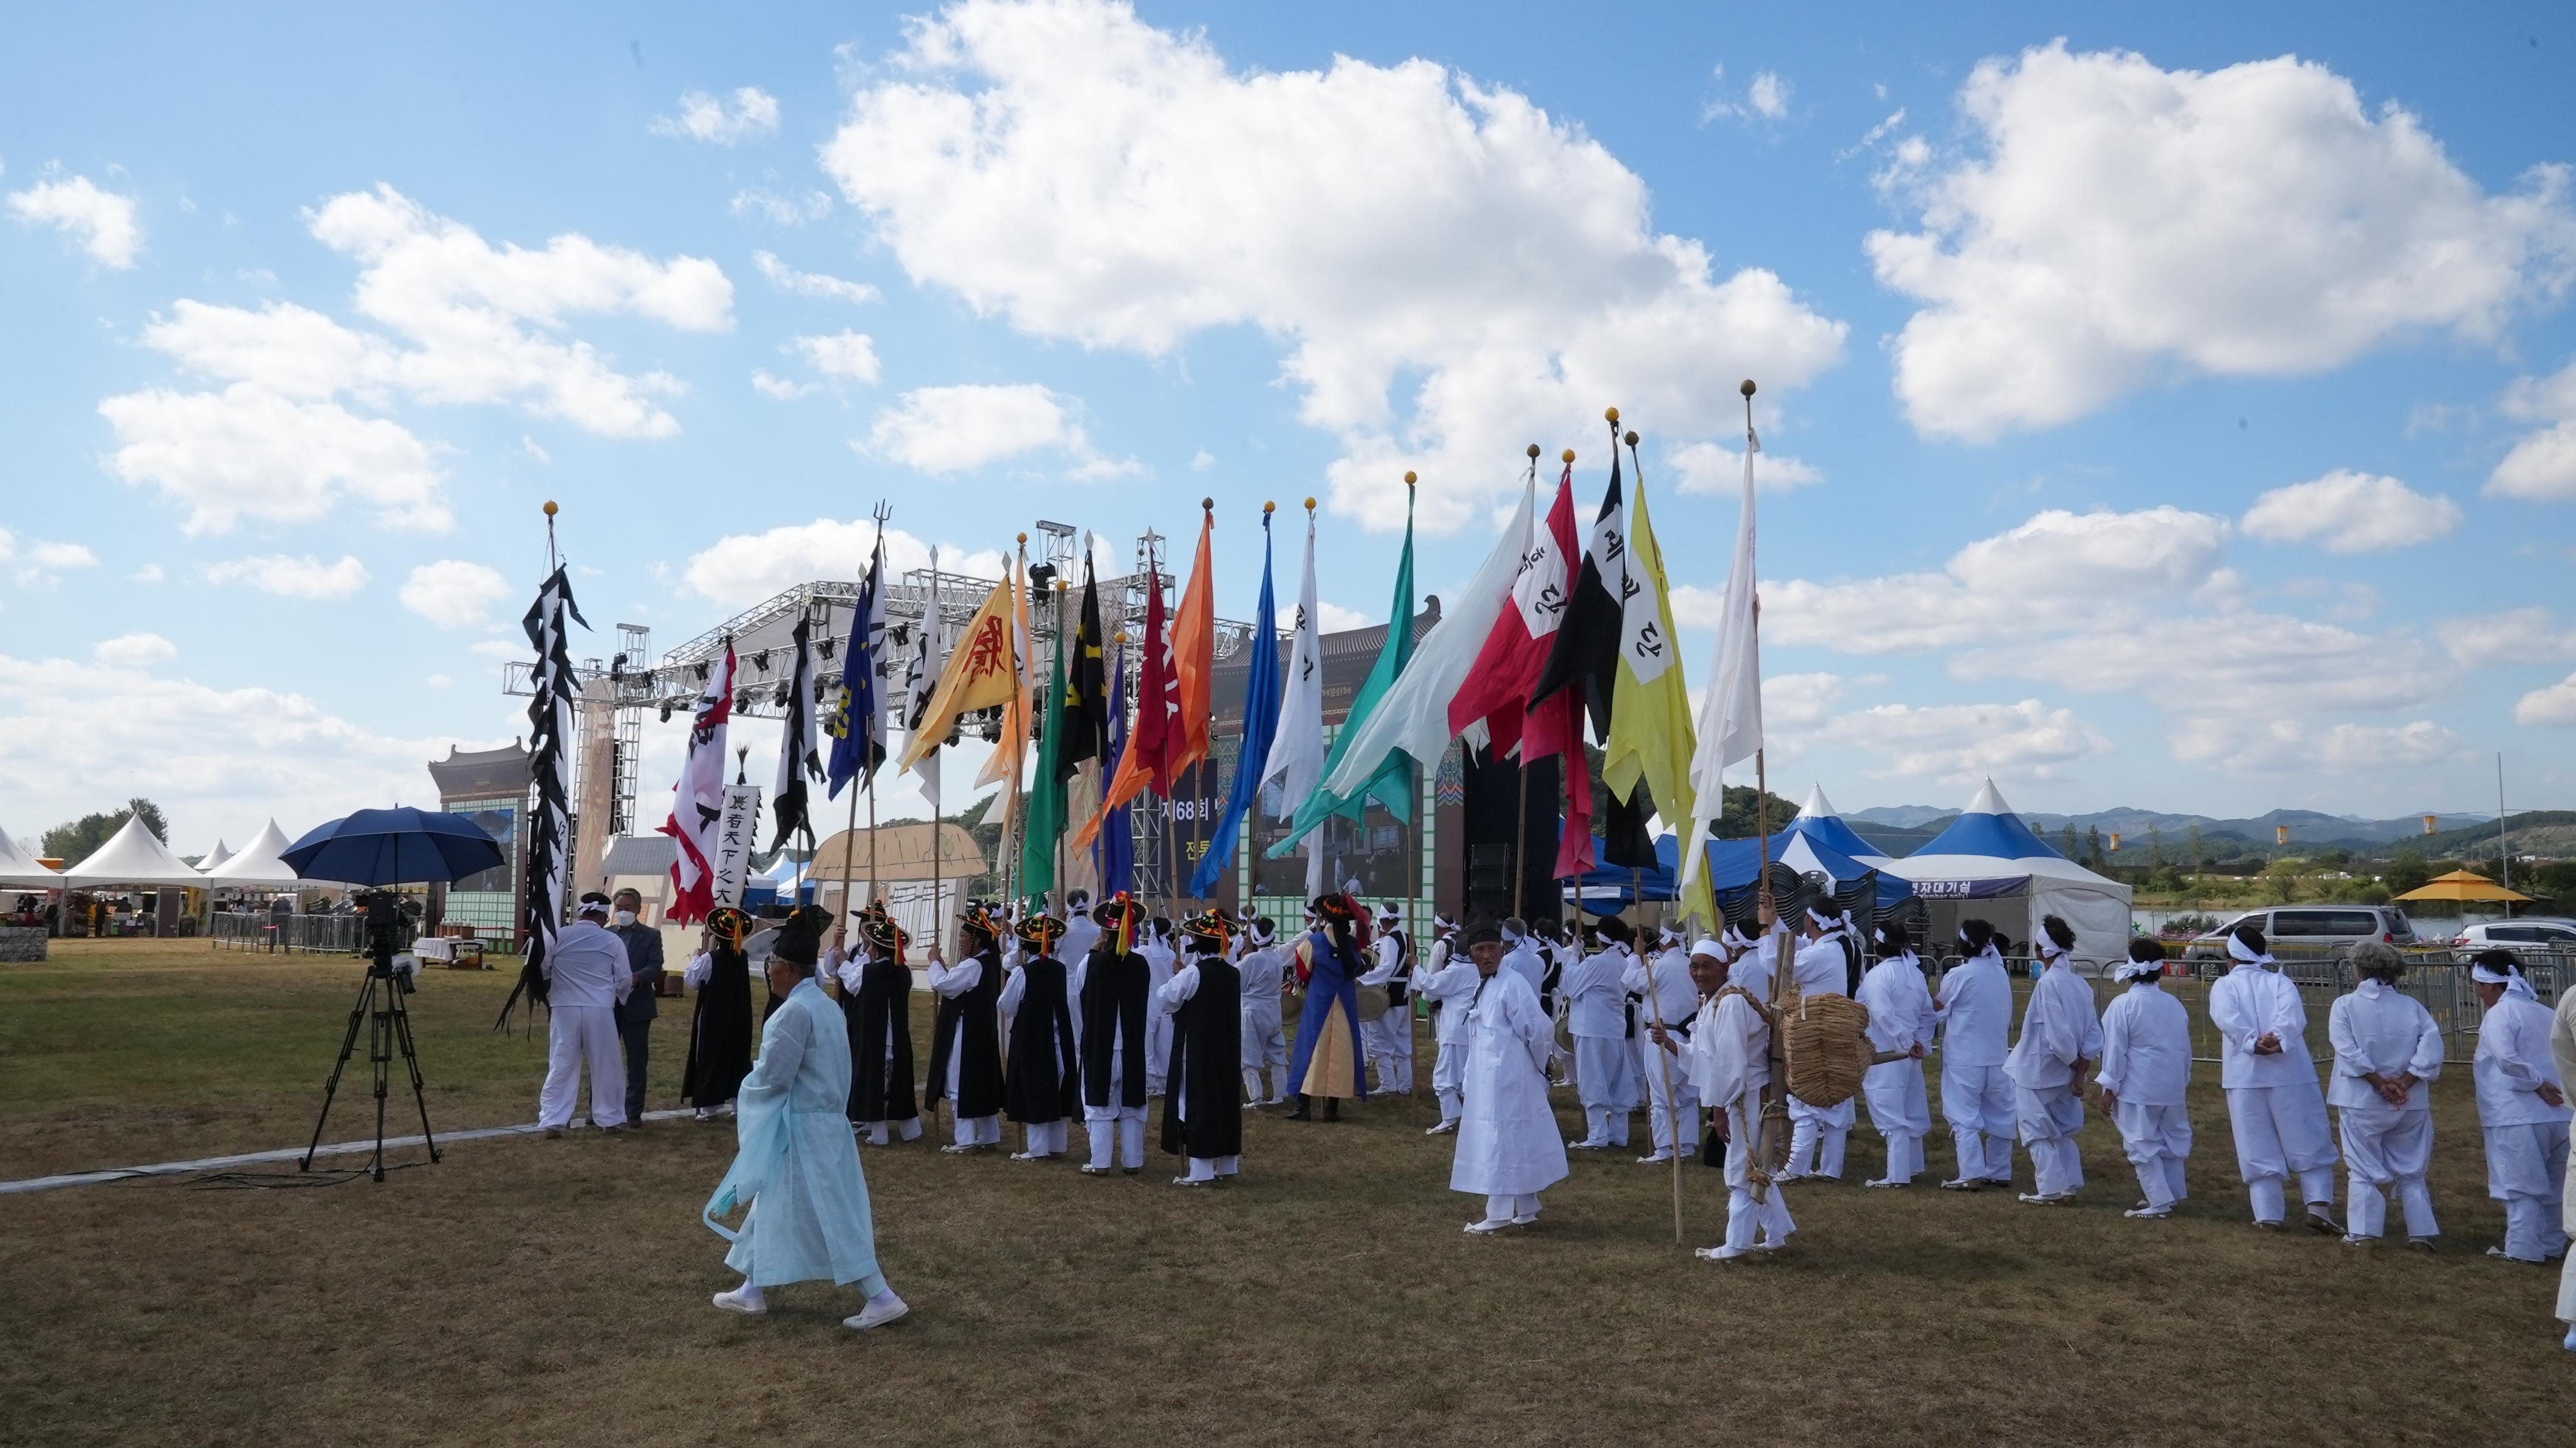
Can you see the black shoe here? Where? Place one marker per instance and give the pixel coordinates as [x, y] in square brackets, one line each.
[1304, 1111]
[1332, 1108]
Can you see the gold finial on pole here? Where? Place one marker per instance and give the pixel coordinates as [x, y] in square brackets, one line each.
[1747, 388]
[1408, 477]
[551, 510]
[1611, 413]
[1024, 537]
[1533, 452]
[1269, 507]
[1208, 504]
[1310, 504]
[1569, 455]
[1631, 438]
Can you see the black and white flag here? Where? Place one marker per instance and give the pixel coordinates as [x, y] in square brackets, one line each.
[798, 760]
[548, 862]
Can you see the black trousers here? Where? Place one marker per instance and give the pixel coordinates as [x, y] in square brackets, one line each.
[638, 1037]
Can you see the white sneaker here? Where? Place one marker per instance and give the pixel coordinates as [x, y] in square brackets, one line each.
[1771, 1244]
[1525, 1221]
[1089, 1170]
[1183, 1181]
[878, 1313]
[1658, 1159]
[1443, 1129]
[2144, 1213]
[1721, 1254]
[1888, 1182]
[959, 1148]
[1587, 1146]
[741, 1300]
[2044, 1199]
[1489, 1226]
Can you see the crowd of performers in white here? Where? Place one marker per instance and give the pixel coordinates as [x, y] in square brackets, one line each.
[1043, 1021]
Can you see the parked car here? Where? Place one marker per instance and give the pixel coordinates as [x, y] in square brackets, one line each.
[2536, 932]
[2310, 930]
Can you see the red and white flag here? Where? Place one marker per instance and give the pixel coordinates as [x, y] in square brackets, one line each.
[1498, 687]
[697, 801]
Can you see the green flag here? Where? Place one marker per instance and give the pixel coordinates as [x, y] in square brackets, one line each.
[1046, 807]
[1393, 784]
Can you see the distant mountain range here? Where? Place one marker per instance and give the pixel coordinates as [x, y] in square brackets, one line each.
[1902, 829]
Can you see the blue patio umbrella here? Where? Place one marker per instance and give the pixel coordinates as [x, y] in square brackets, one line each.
[399, 846]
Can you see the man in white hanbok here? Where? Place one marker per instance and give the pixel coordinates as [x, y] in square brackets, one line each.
[1597, 1015]
[1508, 1146]
[1449, 987]
[1160, 959]
[1388, 1040]
[1729, 1055]
[2146, 1069]
[2275, 1109]
[1672, 1107]
[1263, 966]
[1818, 1133]
[2562, 1051]
[587, 978]
[1900, 1020]
[2522, 1108]
[2061, 1035]
[1975, 1006]
[2386, 1051]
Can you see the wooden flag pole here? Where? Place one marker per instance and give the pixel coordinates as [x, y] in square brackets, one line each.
[1664, 1062]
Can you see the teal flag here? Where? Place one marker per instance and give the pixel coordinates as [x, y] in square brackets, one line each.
[1393, 785]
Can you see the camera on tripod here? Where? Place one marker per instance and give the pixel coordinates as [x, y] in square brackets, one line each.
[388, 931]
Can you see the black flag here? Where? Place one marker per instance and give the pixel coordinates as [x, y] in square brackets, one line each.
[550, 728]
[1586, 649]
[798, 759]
[1625, 841]
[1086, 689]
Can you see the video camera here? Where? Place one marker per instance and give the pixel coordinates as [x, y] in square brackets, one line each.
[388, 929]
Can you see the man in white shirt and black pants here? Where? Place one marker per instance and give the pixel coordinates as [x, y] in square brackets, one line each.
[1388, 1040]
[587, 977]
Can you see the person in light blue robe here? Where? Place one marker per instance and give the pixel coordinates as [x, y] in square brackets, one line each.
[797, 1166]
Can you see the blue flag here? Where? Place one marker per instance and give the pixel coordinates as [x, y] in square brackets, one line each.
[857, 721]
[1260, 724]
[1114, 852]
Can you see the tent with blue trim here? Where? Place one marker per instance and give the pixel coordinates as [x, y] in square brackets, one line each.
[1991, 865]
[1609, 889]
[1817, 842]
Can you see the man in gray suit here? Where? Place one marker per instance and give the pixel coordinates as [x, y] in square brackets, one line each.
[635, 1013]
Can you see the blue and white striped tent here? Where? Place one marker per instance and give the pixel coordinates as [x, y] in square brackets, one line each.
[1989, 855]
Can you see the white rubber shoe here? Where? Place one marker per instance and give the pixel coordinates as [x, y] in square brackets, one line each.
[878, 1312]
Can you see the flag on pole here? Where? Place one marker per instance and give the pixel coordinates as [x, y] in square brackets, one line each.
[1391, 783]
[1147, 758]
[1114, 852]
[857, 721]
[1412, 721]
[1010, 750]
[1730, 714]
[1260, 725]
[1650, 720]
[982, 673]
[1046, 795]
[1496, 693]
[697, 801]
[929, 655]
[797, 758]
[1296, 757]
[553, 687]
[1585, 651]
[1085, 687]
[1194, 654]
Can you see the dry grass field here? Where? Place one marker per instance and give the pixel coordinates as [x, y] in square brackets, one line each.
[532, 1291]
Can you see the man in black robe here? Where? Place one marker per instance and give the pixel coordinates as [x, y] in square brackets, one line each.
[876, 1001]
[1111, 983]
[966, 1040]
[1043, 1089]
[720, 1027]
[1203, 1110]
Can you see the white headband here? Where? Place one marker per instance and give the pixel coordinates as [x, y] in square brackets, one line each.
[1710, 948]
[2049, 949]
[2512, 980]
[1261, 930]
[2137, 969]
[2244, 954]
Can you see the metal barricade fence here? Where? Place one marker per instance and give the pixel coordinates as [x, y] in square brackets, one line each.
[315, 934]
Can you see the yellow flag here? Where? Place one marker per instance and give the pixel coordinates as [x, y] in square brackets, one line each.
[1650, 714]
[983, 671]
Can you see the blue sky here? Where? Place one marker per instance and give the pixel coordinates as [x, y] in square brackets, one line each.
[2150, 418]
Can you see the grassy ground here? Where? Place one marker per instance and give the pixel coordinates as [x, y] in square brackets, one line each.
[528, 1291]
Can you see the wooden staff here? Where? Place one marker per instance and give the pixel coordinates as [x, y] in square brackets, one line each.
[1664, 1061]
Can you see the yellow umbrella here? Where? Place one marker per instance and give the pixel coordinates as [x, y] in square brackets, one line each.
[2463, 885]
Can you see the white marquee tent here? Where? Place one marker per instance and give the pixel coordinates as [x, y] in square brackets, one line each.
[135, 856]
[1988, 854]
[221, 853]
[258, 863]
[19, 869]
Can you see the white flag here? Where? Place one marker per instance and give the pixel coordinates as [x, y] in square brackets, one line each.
[1730, 715]
[929, 656]
[1297, 752]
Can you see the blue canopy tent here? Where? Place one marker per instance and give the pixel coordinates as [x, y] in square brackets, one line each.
[1732, 864]
[1608, 889]
[1988, 863]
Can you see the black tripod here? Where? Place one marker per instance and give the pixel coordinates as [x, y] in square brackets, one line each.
[380, 1008]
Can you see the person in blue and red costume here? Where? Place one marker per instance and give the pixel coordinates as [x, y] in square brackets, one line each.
[1328, 1061]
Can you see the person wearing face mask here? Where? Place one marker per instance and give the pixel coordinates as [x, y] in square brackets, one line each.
[636, 1012]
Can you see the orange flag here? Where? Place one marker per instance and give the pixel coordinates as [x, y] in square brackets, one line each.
[1194, 653]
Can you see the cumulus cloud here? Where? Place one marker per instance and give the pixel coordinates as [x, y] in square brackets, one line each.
[784, 389]
[1766, 98]
[100, 223]
[1963, 743]
[37, 563]
[1091, 178]
[470, 322]
[721, 120]
[134, 650]
[842, 354]
[2349, 512]
[2554, 705]
[1331, 617]
[761, 204]
[1714, 468]
[289, 577]
[453, 593]
[958, 429]
[744, 568]
[2288, 746]
[2514, 636]
[812, 284]
[2113, 223]
[2541, 468]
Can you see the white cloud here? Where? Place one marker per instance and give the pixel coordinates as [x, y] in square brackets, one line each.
[532, 450]
[248, 451]
[1963, 743]
[40, 564]
[1331, 617]
[1202, 460]
[100, 222]
[1797, 701]
[220, 760]
[134, 650]
[777, 210]
[2542, 465]
[2230, 663]
[750, 112]
[287, 577]
[438, 681]
[148, 573]
[1766, 98]
[958, 429]
[779, 387]
[2288, 746]
[744, 568]
[1091, 178]
[2515, 636]
[1716, 469]
[2349, 512]
[505, 649]
[2117, 223]
[2555, 704]
[843, 354]
[453, 593]
[812, 284]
